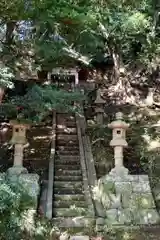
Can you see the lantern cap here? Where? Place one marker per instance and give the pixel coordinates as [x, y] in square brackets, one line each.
[18, 124]
[119, 123]
[119, 115]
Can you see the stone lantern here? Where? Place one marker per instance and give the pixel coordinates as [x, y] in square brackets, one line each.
[19, 140]
[99, 107]
[119, 142]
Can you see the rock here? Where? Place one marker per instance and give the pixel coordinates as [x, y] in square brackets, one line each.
[112, 217]
[123, 187]
[141, 187]
[54, 235]
[153, 216]
[115, 200]
[105, 201]
[143, 178]
[108, 186]
[30, 182]
[64, 236]
[129, 201]
[141, 217]
[100, 222]
[125, 216]
[146, 200]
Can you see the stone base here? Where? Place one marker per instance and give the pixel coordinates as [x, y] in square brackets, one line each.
[30, 182]
[120, 171]
[16, 171]
[127, 200]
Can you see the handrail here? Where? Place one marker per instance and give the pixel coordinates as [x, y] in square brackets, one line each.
[49, 200]
[89, 161]
[84, 170]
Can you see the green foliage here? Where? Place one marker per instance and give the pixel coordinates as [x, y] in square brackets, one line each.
[6, 77]
[142, 136]
[59, 30]
[17, 218]
[13, 202]
[38, 102]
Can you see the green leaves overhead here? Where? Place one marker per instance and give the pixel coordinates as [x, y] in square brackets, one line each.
[68, 32]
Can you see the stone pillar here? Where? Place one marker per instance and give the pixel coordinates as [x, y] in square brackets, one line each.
[18, 155]
[118, 156]
[99, 107]
[119, 142]
[19, 140]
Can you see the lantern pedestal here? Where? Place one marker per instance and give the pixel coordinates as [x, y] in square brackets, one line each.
[99, 115]
[119, 169]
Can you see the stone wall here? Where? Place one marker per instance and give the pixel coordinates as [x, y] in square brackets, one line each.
[30, 182]
[127, 200]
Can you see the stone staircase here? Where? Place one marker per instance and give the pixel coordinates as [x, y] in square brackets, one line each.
[69, 203]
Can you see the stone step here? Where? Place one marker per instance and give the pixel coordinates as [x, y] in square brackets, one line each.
[68, 178]
[37, 158]
[40, 155]
[76, 222]
[63, 143]
[65, 117]
[71, 185]
[36, 164]
[66, 124]
[68, 162]
[69, 212]
[36, 150]
[65, 131]
[59, 167]
[68, 153]
[67, 204]
[39, 131]
[67, 148]
[70, 157]
[40, 144]
[36, 137]
[67, 137]
[63, 191]
[69, 197]
[68, 172]
[41, 127]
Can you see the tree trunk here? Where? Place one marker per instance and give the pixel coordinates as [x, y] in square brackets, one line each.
[121, 88]
[1, 94]
[156, 17]
[10, 32]
[117, 60]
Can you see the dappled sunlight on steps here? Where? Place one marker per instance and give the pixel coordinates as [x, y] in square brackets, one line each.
[69, 203]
